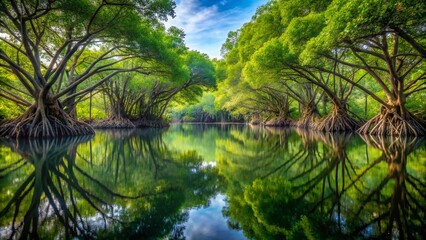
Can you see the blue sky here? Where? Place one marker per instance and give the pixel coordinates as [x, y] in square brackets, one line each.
[206, 23]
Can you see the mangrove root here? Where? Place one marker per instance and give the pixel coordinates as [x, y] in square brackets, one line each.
[44, 121]
[338, 121]
[308, 119]
[391, 123]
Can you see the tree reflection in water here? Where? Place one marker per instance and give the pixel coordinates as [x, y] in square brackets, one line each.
[323, 186]
[404, 209]
[46, 188]
[120, 184]
[278, 184]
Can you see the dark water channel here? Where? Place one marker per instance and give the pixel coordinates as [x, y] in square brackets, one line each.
[213, 182]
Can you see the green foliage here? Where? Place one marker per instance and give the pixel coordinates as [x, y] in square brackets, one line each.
[202, 71]
[203, 111]
[344, 49]
[85, 44]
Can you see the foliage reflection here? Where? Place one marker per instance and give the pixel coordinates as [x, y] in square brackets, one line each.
[322, 185]
[121, 183]
[278, 183]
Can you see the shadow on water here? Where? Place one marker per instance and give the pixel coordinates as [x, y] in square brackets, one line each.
[119, 184]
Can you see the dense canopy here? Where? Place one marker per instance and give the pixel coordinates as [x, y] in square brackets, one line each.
[330, 66]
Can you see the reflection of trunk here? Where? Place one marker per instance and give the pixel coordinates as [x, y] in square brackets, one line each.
[330, 159]
[59, 190]
[406, 208]
[45, 118]
[399, 205]
[46, 157]
[394, 119]
[308, 154]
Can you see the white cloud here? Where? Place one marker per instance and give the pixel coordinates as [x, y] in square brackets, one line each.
[206, 27]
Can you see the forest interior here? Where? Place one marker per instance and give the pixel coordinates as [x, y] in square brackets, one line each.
[67, 67]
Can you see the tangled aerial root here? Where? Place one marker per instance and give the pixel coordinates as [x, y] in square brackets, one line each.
[37, 123]
[392, 124]
[338, 121]
[308, 119]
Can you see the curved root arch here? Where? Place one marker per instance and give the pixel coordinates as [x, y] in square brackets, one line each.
[338, 121]
[390, 122]
[44, 121]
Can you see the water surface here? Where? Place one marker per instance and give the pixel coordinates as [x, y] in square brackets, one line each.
[213, 182]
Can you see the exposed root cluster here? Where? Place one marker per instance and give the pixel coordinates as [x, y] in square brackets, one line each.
[338, 121]
[256, 120]
[114, 122]
[44, 122]
[393, 124]
[308, 119]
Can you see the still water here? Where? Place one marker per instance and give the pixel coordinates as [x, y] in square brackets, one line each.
[213, 182]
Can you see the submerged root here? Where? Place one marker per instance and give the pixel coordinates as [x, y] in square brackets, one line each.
[393, 124]
[37, 123]
[114, 122]
[338, 121]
